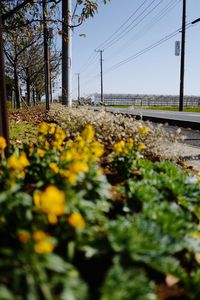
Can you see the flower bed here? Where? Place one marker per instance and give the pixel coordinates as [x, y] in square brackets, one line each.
[112, 128]
[76, 223]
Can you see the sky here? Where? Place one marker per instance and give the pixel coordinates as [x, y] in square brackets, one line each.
[123, 29]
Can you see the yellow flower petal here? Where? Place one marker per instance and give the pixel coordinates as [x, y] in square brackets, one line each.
[76, 220]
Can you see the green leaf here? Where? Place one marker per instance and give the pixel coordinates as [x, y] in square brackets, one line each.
[5, 294]
[55, 263]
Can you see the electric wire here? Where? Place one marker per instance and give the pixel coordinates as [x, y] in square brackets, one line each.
[121, 26]
[171, 5]
[147, 49]
[161, 14]
[140, 53]
[91, 57]
[130, 28]
[108, 44]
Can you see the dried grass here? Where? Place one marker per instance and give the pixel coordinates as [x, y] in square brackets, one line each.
[112, 128]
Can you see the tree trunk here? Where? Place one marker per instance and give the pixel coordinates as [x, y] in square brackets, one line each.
[3, 109]
[38, 97]
[16, 82]
[34, 100]
[28, 88]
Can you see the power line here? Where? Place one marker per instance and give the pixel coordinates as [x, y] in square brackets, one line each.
[74, 11]
[127, 29]
[130, 28]
[121, 26]
[90, 65]
[89, 62]
[147, 49]
[159, 16]
[140, 53]
[147, 27]
[92, 56]
[112, 41]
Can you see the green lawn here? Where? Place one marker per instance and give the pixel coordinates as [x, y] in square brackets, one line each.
[23, 132]
[171, 108]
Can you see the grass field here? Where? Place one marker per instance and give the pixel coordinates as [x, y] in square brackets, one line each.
[170, 108]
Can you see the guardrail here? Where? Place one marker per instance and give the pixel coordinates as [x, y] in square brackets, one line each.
[145, 102]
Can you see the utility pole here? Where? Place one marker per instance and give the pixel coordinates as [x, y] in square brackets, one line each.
[182, 69]
[46, 54]
[101, 67]
[78, 76]
[3, 108]
[66, 53]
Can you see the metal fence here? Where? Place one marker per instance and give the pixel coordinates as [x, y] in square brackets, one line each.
[146, 102]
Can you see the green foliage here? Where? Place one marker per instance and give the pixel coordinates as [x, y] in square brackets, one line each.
[70, 229]
[127, 284]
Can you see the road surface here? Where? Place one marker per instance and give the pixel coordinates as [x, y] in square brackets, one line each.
[181, 119]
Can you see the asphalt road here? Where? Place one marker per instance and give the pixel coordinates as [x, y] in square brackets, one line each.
[181, 119]
[192, 137]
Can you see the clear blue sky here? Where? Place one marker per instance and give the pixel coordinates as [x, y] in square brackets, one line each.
[155, 72]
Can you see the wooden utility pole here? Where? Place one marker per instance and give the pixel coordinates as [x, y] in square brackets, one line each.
[101, 68]
[3, 108]
[46, 55]
[66, 53]
[182, 69]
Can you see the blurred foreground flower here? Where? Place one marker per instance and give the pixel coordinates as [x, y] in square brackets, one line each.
[52, 202]
[2, 143]
[76, 220]
[43, 242]
[18, 162]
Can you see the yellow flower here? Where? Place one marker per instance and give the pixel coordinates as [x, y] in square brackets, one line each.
[97, 149]
[66, 156]
[51, 128]
[60, 135]
[119, 147]
[39, 235]
[88, 133]
[143, 130]
[141, 147]
[57, 145]
[44, 243]
[31, 148]
[46, 145]
[71, 177]
[41, 152]
[76, 220]
[53, 166]
[78, 167]
[70, 144]
[44, 247]
[2, 143]
[44, 127]
[18, 163]
[130, 143]
[23, 236]
[51, 201]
